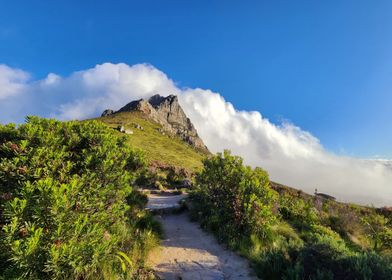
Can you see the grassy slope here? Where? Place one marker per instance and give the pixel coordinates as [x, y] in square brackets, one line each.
[355, 232]
[165, 148]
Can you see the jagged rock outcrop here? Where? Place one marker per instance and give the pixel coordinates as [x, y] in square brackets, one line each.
[107, 112]
[167, 112]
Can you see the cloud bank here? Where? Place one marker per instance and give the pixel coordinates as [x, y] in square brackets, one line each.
[291, 156]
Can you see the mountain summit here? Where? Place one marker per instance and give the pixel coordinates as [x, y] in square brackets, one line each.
[167, 112]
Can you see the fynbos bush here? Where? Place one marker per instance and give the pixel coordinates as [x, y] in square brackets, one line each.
[232, 199]
[68, 209]
[290, 236]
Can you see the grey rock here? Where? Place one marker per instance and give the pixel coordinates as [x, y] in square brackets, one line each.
[186, 184]
[161, 131]
[168, 113]
[138, 126]
[121, 128]
[107, 112]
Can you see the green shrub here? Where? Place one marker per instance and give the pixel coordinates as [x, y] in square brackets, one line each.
[324, 259]
[379, 231]
[232, 199]
[298, 212]
[290, 237]
[68, 208]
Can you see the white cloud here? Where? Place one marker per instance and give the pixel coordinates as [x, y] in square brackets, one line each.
[12, 81]
[291, 155]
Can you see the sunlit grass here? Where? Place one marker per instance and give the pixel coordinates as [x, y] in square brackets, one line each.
[166, 148]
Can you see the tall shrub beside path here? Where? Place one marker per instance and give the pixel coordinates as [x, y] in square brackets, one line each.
[68, 209]
[232, 199]
[284, 235]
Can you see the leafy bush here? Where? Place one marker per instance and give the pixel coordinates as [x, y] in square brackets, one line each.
[293, 236]
[232, 199]
[379, 230]
[324, 258]
[163, 176]
[298, 212]
[68, 209]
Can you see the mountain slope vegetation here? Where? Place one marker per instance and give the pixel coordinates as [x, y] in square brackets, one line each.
[288, 234]
[157, 144]
[69, 208]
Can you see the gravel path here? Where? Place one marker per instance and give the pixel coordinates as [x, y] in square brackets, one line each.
[187, 252]
[158, 201]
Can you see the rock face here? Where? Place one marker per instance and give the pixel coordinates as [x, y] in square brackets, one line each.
[167, 112]
[107, 112]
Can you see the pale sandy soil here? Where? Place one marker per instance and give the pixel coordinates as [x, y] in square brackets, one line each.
[187, 252]
[158, 201]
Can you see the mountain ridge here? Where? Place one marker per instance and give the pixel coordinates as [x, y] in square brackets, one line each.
[167, 112]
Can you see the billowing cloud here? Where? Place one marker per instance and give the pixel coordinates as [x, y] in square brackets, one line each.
[292, 156]
[81, 95]
[12, 81]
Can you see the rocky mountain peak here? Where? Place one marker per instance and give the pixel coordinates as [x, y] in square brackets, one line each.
[156, 100]
[167, 112]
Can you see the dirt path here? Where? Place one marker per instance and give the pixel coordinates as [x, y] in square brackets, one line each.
[157, 201]
[187, 252]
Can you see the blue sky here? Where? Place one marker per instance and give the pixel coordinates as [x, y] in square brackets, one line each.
[323, 65]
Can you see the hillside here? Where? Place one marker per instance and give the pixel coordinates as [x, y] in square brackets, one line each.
[157, 144]
[88, 169]
[168, 112]
[317, 235]
[288, 234]
[63, 182]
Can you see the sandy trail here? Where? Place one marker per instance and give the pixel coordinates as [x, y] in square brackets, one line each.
[158, 201]
[187, 252]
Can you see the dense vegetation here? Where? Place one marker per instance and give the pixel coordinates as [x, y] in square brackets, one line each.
[288, 236]
[68, 209]
[163, 176]
[156, 144]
